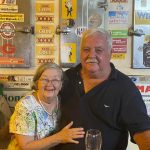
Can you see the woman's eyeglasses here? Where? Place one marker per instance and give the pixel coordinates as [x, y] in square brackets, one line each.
[46, 81]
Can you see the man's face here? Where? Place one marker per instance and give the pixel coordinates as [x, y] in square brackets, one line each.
[95, 54]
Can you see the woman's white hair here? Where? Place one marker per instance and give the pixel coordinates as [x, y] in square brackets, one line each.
[41, 69]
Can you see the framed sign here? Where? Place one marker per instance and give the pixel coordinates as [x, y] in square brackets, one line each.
[16, 31]
[141, 42]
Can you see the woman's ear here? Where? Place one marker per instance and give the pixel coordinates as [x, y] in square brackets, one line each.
[34, 85]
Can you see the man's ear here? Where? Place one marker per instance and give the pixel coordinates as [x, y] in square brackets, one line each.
[111, 51]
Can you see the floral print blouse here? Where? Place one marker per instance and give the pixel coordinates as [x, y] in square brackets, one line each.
[30, 119]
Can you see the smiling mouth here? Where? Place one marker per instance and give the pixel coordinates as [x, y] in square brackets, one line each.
[91, 61]
[50, 90]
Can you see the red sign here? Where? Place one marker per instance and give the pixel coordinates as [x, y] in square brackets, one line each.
[11, 60]
[144, 88]
[119, 49]
[119, 45]
[7, 49]
[119, 41]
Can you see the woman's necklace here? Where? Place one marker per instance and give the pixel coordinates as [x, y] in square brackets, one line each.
[50, 114]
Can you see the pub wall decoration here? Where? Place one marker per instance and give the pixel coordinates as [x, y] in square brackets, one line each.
[15, 34]
[141, 50]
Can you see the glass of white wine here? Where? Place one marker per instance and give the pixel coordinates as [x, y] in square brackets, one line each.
[93, 139]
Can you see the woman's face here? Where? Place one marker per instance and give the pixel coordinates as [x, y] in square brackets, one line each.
[49, 84]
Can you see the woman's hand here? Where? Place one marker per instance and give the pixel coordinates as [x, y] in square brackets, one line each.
[68, 134]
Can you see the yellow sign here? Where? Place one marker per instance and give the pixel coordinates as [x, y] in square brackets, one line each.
[68, 53]
[142, 17]
[45, 51]
[44, 7]
[146, 38]
[8, 8]
[11, 17]
[44, 29]
[118, 56]
[69, 9]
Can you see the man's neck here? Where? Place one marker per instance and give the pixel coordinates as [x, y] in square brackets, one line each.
[96, 75]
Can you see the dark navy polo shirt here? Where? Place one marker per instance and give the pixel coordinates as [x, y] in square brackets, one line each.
[115, 107]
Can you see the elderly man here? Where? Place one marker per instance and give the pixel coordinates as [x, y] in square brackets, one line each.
[97, 95]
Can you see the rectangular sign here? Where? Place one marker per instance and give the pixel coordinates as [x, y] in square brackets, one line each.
[40, 61]
[118, 17]
[11, 17]
[17, 81]
[143, 84]
[45, 18]
[13, 96]
[118, 56]
[44, 7]
[69, 9]
[44, 29]
[11, 60]
[142, 17]
[8, 8]
[118, 1]
[45, 50]
[44, 39]
[68, 53]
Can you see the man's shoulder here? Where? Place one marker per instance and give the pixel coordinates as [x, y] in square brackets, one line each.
[118, 75]
[73, 71]
[125, 82]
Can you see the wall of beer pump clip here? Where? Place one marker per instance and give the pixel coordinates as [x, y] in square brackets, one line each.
[46, 49]
[75, 17]
[14, 26]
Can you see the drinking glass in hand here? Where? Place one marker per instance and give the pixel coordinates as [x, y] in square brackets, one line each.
[93, 139]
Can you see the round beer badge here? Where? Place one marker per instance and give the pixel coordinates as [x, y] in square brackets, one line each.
[7, 30]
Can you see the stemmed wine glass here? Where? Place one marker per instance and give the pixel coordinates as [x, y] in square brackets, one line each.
[93, 139]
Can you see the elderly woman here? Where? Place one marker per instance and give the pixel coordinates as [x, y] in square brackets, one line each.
[35, 118]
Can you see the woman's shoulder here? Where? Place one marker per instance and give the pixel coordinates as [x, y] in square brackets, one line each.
[27, 101]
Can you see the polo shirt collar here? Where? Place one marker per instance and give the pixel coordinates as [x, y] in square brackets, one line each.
[113, 74]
